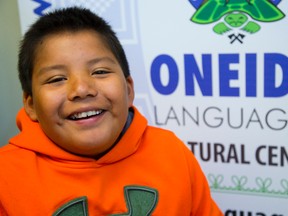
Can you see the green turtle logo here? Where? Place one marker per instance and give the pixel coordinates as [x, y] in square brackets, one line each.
[236, 15]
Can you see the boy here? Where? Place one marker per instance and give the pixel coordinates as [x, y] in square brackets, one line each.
[83, 147]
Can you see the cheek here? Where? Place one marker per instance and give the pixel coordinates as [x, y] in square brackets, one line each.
[116, 91]
[47, 104]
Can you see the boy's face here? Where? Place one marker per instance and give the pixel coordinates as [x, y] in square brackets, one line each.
[80, 96]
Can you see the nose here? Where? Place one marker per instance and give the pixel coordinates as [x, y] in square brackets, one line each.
[80, 87]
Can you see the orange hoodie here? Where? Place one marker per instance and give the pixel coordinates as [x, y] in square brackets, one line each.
[149, 172]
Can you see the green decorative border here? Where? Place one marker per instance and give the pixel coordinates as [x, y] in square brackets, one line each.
[262, 186]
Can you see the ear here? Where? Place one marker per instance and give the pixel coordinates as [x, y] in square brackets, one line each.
[29, 106]
[130, 90]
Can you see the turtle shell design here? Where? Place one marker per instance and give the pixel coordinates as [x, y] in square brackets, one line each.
[261, 10]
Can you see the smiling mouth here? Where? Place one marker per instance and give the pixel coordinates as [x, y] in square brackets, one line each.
[85, 115]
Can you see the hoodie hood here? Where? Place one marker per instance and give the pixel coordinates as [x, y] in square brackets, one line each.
[32, 138]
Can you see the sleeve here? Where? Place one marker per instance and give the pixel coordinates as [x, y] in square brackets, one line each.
[202, 201]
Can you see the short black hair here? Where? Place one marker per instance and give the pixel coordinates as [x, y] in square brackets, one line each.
[72, 19]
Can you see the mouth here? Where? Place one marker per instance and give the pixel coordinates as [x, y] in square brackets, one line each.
[85, 115]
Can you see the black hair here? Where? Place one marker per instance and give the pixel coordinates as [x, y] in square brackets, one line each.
[71, 19]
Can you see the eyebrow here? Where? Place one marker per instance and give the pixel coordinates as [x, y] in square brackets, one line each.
[53, 67]
[102, 59]
[89, 63]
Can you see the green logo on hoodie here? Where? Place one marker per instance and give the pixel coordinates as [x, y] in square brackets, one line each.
[140, 201]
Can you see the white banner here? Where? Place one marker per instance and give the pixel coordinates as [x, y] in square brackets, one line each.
[215, 73]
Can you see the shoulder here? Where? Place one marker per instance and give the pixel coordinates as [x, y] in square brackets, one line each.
[163, 137]
[166, 141]
[160, 133]
[169, 146]
[13, 158]
[7, 150]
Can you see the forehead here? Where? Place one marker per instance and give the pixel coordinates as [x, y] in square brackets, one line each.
[62, 34]
[49, 42]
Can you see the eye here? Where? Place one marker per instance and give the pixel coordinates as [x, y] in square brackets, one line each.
[100, 72]
[56, 79]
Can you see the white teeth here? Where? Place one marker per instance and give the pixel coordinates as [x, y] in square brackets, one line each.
[85, 114]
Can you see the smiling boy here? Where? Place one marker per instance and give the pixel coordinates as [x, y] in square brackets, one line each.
[83, 148]
[79, 92]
